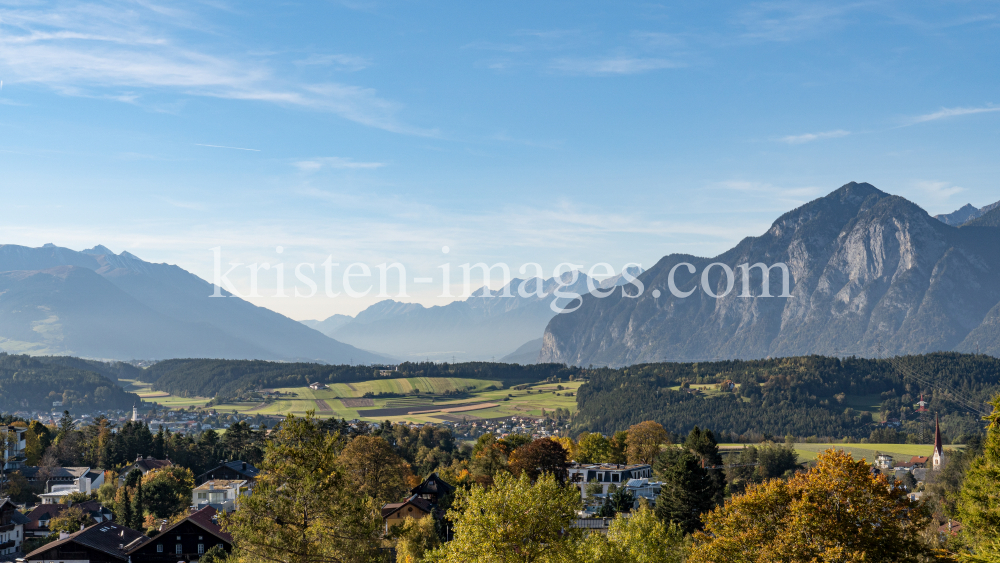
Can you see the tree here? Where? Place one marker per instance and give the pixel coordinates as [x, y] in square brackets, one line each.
[375, 470]
[538, 457]
[37, 439]
[70, 520]
[622, 500]
[594, 448]
[415, 538]
[515, 520]
[214, 554]
[838, 511]
[514, 441]
[644, 441]
[167, 490]
[978, 506]
[619, 447]
[138, 507]
[488, 458]
[303, 508]
[66, 425]
[687, 492]
[642, 538]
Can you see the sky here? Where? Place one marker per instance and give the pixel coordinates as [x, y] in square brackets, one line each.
[516, 132]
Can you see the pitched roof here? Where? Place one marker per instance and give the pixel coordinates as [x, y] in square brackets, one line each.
[240, 467]
[105, 537]
[433, 485]
[219, 484]
[415, 501]
[148, 464]
[204, 519]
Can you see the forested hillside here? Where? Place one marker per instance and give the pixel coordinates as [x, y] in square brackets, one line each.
[228, 378]
[803, 396]
[34, 383]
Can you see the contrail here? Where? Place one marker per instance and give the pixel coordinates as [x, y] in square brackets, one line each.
[224, 147]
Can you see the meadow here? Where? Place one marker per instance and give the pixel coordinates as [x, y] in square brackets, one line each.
[423, 399]
[900, 452]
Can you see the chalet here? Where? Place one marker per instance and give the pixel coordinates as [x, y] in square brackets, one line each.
[143, 465]
[186, 540]
[433, 489]
[221, 494]
[317, 386]
[395, 513]
[423, 500]
[607, 474]
[38, 519]
[101, 543]
[11, 528]
[919, 461]
[231, 470]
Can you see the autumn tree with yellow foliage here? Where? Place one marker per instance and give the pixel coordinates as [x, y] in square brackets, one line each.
[839, 511]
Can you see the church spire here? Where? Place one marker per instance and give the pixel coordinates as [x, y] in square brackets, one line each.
[938, 455]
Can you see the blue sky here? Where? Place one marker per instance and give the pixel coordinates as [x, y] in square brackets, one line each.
[543, 132]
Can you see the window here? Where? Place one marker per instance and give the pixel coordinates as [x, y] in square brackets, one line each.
[201, 549]
[202, 495]
[179, 549]
[159, 548]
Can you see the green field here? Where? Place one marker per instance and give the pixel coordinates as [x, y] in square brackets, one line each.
[901, 452]
[327, 403]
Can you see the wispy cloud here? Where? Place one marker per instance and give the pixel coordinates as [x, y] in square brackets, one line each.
[945, 113]
[119, 50]
[938, 190]
[348, 63]
[612, 65]
[792, 20]
[225, 147]
[335, 162]
[809, 137]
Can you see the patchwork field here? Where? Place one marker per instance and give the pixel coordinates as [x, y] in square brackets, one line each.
[472, 401]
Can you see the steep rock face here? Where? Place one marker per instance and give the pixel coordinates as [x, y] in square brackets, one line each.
[866, 270]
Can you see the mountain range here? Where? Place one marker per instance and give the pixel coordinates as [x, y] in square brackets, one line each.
[965, 214]
[96, 304]
[870, 274]
[488, 325]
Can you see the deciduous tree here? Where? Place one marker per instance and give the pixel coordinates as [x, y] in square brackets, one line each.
[372, 466]
[167, 490]
[515, 520]
[538, 457]
[644, 441]
[838, 511]
[594, 448]
[303, 508]
[642, 538]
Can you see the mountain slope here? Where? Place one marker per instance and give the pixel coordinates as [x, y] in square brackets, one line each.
[485, 326]
[867, 269]
[967, 213]
[98, 304]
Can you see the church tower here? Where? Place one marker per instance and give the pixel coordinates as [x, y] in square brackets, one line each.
[135, 413]
[938, 455]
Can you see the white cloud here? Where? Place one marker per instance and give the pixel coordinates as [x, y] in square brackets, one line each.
[938, 190]
[809, 137]
[339, 61]
[314, 164]
[114, 50]
[945, 113]
[612, 65]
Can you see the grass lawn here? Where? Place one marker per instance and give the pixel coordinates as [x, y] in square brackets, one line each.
[326, 402]
[901, 452]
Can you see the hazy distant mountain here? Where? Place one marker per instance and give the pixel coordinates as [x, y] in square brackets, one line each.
[484, 326]
[989, 219]
[97, 304]
[526, 354]
[330, 324]
[866, 268]
[967, 213]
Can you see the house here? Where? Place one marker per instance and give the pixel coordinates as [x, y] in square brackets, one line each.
[11, 528]
[64, 481]
[317, 386]
[221, 494]
[12, 451]
[883, 461]
[607, 474]
[423, 500]
[38, 519]
[232, 470]
[106, 542]
[143, 465]
[432, 489]
[186, 540]
[919, 461]
[644, 489]
[395, 513]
